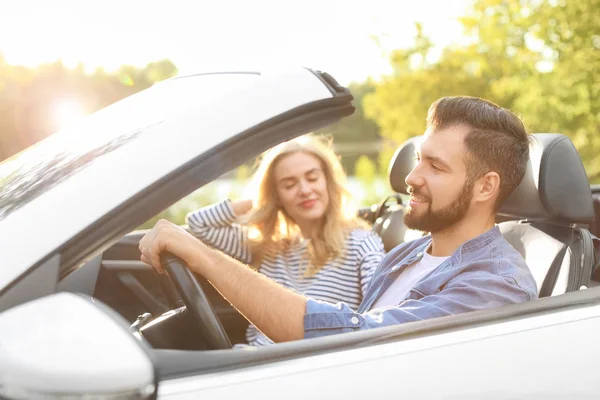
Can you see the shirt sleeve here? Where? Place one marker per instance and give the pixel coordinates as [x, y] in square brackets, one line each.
[216, 226]
[370, 254]
[466, 292]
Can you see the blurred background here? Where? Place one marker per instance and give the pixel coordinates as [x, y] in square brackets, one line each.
[63, 59]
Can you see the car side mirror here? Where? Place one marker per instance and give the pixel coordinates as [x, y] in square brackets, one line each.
[69, 346]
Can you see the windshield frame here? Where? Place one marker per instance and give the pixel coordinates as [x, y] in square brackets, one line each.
[229, 153]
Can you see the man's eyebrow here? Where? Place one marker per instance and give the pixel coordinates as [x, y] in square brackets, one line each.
[436, 160]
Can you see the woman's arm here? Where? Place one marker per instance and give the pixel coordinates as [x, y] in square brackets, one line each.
[369, 256]
[216, 226]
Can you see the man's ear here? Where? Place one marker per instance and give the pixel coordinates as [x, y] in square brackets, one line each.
[487, 187]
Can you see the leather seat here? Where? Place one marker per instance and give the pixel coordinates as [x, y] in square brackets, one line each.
[546, 218]
[553, 209]
[389, 222]
[595, 229]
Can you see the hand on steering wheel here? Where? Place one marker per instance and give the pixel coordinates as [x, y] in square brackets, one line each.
[196, 301]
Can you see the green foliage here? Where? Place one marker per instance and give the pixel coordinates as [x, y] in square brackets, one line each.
[371, 188]
[242, 173]
[356, 135]
[365, 169]
[538, 58]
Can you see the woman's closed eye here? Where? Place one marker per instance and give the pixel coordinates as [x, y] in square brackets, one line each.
[312, 176]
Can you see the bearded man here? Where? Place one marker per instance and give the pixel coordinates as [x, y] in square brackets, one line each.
[474, 155]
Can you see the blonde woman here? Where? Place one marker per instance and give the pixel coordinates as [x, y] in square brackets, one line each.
[300, 229]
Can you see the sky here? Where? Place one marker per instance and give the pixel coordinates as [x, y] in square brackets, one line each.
[336, 36]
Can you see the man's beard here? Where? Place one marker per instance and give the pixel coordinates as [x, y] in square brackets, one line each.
[438, 220]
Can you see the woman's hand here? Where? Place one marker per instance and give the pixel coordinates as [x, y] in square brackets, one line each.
[241, 207]
[166, 236]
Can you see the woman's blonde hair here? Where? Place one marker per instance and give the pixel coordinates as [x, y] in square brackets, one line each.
[274, 230]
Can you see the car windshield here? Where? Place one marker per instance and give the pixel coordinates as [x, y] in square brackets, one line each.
[37, 169]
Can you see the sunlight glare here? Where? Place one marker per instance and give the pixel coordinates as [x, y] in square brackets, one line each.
[67, 111]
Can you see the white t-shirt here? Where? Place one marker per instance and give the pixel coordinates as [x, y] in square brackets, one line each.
[412, 274]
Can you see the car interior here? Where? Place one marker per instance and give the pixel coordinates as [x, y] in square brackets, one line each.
[549, 219]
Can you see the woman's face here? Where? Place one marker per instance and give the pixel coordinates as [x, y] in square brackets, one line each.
[301, 188]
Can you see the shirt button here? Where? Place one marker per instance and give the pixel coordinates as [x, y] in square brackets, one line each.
[395, 268]
[419, 255]
[354, 320]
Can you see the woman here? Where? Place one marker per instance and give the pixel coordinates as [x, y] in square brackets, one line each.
[300, 229]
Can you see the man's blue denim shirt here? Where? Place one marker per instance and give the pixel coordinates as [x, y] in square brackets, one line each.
[484, 272]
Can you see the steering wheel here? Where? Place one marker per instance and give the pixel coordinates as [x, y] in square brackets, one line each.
[196, 301]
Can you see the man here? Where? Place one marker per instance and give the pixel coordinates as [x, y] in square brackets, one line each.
[474, 155]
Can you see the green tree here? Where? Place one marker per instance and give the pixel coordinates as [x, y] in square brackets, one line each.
[552, 49]
[365, 169]
[356, 135]
[538, 58]
[399, 103]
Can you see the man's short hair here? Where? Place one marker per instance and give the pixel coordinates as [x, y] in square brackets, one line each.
[497, 140]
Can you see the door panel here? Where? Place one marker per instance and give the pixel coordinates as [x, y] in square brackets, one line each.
[528, 358]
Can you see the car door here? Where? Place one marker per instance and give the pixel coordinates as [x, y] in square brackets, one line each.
[542, 349]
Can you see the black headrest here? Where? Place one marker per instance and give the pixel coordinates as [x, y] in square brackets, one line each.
[402, 163]
[555, 186]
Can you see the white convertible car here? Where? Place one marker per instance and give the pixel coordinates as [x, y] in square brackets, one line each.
[82, 318]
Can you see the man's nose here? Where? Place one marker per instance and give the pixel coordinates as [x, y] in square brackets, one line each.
[414, 177]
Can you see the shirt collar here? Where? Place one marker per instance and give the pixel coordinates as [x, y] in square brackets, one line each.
[480, 241]
[467, 247]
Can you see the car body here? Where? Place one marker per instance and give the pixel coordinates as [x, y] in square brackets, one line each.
[71, 282]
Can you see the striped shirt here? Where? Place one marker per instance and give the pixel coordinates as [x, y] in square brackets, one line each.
[341, 280]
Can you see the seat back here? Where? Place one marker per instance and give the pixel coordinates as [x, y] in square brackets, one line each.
[546, 218]
[548, 251]
[553, 210]
[595, 229]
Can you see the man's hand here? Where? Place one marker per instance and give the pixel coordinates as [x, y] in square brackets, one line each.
[275, 310]
[166, 236]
